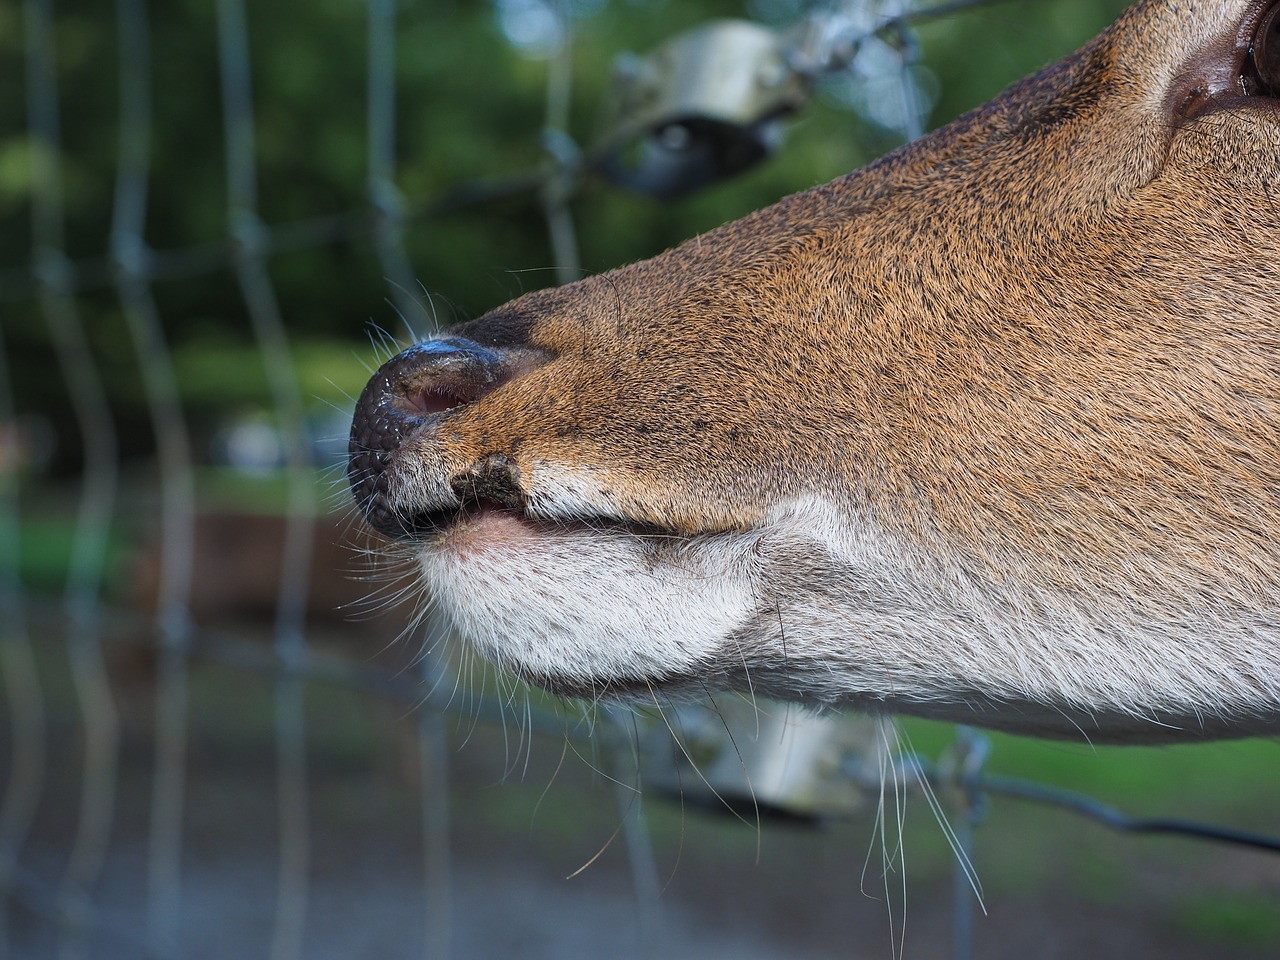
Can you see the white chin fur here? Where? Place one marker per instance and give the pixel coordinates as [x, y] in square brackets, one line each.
[591, 605]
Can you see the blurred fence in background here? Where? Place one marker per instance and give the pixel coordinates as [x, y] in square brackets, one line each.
[186, 627]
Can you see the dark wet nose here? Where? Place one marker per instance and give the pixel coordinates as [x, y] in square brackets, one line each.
[408, 391]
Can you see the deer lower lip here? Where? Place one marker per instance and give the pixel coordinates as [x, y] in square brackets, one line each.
[423, 525]
[477, 514]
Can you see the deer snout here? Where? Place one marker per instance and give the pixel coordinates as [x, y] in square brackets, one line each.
[396, 471]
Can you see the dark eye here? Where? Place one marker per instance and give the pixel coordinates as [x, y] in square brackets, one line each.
[1264, 55]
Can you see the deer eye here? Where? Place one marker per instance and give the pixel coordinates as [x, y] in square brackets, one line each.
[1264, 55]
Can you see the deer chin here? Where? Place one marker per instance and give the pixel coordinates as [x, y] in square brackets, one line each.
[588, 607]
[608, 608]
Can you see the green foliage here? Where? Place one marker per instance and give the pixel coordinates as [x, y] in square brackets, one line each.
[217, 370]
[978, 55]
[1239, 919]
[45, 551]
[1155, 781]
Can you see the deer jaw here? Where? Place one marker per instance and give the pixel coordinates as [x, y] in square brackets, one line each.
[988, 431]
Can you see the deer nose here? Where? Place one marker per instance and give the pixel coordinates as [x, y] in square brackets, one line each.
[409, 392]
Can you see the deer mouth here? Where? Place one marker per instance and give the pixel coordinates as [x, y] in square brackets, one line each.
[430, 523]
[396, 502]
[483, 522]
[404, 482]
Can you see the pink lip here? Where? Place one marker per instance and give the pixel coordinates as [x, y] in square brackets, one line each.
[485, 526]
[487, 522]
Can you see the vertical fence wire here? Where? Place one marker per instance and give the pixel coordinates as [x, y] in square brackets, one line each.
[387, 202]
[384, 196]
[561, 186]
[971, 751]
[22, 690]
[433, 758]
[388, 236]
[914, 117]
[176, 477]
[248, 236]
[624, 744]
[97, 493]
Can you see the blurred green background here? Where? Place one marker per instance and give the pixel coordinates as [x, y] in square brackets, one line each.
[471, 108]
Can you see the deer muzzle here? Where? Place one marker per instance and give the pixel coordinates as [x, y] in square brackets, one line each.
[403, 491]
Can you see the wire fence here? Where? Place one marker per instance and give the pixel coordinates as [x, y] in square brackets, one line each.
[64, 905]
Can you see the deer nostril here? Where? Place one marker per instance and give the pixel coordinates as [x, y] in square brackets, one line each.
[437, 400]
[438, 375]
[426, 379]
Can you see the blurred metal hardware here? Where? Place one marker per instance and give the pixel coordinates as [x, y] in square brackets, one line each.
[701, 107]
[763, 758]
[709, 103]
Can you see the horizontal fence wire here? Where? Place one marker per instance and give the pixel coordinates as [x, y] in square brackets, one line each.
[131, 269]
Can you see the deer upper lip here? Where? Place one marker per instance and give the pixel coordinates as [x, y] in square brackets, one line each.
[490, 485]
[474, 503]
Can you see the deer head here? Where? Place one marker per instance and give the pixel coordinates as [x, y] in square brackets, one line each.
[987, 431]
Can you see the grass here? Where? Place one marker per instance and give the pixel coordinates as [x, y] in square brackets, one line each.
[1243, 919]
[46, 547]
